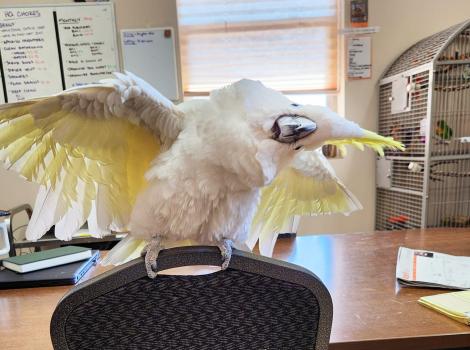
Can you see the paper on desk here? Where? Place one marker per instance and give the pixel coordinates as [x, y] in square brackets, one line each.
[455, 305]
[431, 269]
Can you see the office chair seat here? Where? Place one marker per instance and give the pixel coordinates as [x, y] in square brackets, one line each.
[258, 303]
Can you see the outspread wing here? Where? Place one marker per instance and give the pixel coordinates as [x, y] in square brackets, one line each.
[308, 187]
[89, 149]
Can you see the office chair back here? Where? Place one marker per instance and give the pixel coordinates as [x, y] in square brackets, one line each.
[257, 303]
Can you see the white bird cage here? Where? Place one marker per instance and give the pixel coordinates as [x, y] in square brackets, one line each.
[424, 102]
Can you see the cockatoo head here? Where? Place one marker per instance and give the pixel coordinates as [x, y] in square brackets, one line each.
[274, 116]
[282, 128]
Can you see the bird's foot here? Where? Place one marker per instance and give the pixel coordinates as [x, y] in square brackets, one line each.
[225, 247]
[151, 251]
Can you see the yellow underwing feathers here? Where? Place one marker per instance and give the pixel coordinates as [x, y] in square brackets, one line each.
[81, 147]
[308, 187]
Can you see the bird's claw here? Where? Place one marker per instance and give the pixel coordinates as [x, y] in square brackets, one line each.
[151, 251]
[226, 250]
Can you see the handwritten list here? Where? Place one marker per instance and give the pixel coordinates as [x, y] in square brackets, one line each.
[88, 51]
[29, 53]
[44, 50]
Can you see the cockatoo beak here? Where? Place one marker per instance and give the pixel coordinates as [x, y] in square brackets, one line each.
[290, 128]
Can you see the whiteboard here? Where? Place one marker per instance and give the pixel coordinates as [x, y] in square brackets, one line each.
[87, 43]
[150, 54]
[45, 49]
[29, 54]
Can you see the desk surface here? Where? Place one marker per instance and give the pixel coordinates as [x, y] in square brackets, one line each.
[371, 311]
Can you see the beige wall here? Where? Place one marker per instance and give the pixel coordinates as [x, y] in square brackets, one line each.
[129, 14]
[402, 23]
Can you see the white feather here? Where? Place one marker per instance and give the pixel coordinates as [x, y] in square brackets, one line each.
[123, 78]
[93, 226]
[102, 96]
[74, 218]
[134, 91]
[43, 214]
[267, 243]
[103, 213]
[110, 99]
[83, 103]
[127, 249]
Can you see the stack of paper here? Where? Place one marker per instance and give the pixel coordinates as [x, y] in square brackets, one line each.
[455, 305]
[430, 269]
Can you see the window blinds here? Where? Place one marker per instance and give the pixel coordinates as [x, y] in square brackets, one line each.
[288, 45]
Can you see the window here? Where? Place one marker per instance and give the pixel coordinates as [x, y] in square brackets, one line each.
[290, 46]
[309, 99]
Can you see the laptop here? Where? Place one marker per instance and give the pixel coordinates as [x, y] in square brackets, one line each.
[53, 276]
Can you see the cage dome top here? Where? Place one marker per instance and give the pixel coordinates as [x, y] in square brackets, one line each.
[435, 47]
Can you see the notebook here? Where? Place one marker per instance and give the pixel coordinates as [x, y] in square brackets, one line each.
[54, 276]
[455, 305]
[46, 258]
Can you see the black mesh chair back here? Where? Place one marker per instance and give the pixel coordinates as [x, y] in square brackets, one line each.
[257, 303]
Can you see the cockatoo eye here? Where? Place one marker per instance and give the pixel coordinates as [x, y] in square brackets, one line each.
[290, 128]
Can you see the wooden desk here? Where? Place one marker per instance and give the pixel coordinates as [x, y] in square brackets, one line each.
[371, 311]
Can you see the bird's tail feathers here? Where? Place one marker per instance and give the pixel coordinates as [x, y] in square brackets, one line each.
[127, 249]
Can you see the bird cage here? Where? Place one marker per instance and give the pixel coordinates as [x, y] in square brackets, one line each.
[424, 102]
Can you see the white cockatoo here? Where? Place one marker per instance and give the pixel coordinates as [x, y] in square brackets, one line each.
[122, 157]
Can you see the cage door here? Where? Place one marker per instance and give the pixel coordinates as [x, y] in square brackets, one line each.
[400, 99]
